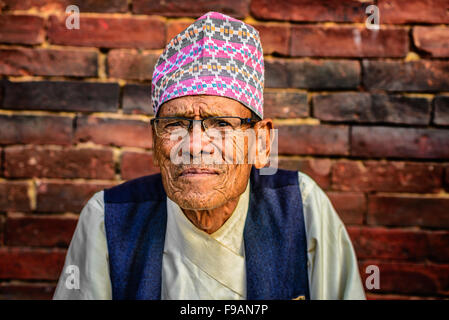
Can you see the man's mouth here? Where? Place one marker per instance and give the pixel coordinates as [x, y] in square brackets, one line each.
[198, 172]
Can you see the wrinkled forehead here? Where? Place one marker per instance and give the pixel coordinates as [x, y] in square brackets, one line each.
[204, 106]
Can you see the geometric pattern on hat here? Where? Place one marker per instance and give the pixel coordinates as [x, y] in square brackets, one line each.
[216, 55]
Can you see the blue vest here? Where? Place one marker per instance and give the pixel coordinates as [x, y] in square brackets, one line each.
[274, 237]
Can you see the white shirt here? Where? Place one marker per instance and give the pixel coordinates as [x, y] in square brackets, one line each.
[197, 265]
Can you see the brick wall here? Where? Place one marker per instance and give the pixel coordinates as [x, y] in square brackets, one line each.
[365, 113]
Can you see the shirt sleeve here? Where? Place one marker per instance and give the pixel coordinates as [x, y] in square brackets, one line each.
[88, 255]
[332, 264]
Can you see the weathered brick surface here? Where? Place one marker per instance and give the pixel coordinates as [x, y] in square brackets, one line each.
[35, 129]
[61, 5]
[385, 176]
[312, 74]
[65, 196]
[371, 108]
[433, 40]
[313, 41]
[23, 29]
[174, 8]
[392, 244]
[130, 64]
[26, 291]
[14, 196]
[400, 142]
[126, 32]
[285, 104]
[61, 96]
[137, 164]
[422, 75]
[414, 11]
[441, 110]
[408, 210]
[39, 230]
[137, 99]
[313, 140]
[36, 264]
[44, 162]
[308, 10]
[48, 62]
[364, 113]
[114, 132]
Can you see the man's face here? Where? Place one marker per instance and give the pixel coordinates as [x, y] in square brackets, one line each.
[198, 184]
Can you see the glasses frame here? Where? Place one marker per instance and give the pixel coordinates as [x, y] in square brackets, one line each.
[250, 121]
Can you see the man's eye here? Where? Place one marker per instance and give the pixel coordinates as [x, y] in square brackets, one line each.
[173, 124]
[222, 123]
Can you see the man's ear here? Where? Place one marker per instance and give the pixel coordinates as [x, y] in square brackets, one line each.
[263, 130]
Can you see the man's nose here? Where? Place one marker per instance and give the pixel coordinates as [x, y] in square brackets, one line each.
[199, 140]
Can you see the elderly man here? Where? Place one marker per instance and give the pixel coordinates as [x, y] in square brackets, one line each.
[210, 226]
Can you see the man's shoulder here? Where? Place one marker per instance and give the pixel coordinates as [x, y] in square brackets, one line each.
[145, 188]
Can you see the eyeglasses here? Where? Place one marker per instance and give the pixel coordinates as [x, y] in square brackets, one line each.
[165, 126]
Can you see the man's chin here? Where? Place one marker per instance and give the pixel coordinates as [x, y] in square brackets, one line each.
[198, 201]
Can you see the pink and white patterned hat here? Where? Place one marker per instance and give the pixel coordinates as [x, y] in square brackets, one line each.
[216, 55]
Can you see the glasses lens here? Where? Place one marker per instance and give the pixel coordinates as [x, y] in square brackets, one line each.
[222, 123]
[170, 126]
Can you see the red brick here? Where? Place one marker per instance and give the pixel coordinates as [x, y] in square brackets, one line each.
[123, 32]
[39, 231]
[61, 5]
[371, 108]
[309, 10]
[14, 196]
[441, 116]
[420, 75]
[21, 29]
[400, 142]
[175, 27]
[350, 206]
[37, 264]
[411, 11]
[343, 41]
[410, 278]
[35, 129]
[137, 99]
[433, 40]
[285, 104]
[65, 196]
[48, 62]
[408, 210]
[386, 176]
[137, 164]
[312, 74]
[313, 139]
[49, 162]
[26, 291]
[115, 132]
[2, 229]
[174, 8]
[62, 96]
[370, 296]
[438, 248]
[275, 37]
[130, 64]
[446, 177]
[318, 169]
[389, 244]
